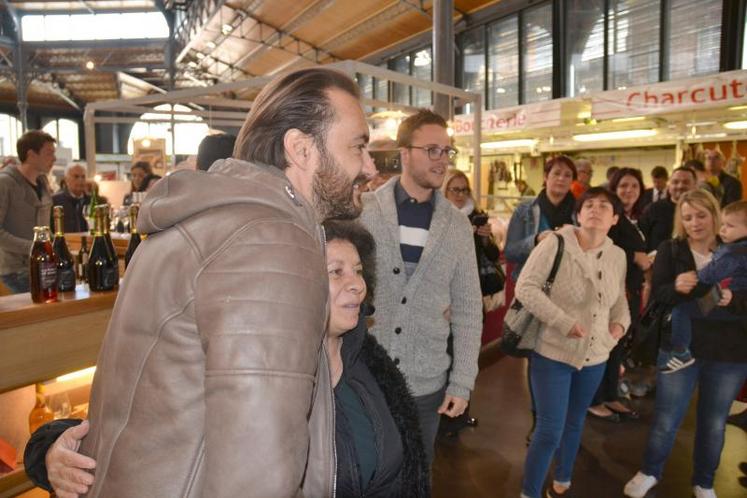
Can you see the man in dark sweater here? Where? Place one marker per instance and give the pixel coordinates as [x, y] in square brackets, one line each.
[73, 199]
[714, 163]
[657, 222]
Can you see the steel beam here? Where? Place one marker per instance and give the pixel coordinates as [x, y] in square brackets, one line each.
[151, 43]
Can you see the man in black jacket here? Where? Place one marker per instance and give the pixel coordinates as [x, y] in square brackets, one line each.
[73, 199]
[714, 163]
[657, 221]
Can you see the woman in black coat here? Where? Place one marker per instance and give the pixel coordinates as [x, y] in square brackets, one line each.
[377, 437]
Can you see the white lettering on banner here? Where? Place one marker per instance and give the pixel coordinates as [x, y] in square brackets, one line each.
[717, 90]
[510, 119]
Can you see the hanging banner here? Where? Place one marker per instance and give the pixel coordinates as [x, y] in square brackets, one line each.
[721, 89]
[497, 121]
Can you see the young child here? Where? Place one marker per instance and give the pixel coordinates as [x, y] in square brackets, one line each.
[729, 262]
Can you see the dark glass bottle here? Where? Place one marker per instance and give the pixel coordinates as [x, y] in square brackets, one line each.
[43, 267]
[105, 209]
[65, 262]
[102, 268]
[81, 260]
[134, 234]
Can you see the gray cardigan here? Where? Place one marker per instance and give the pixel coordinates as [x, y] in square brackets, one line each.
[20, 211]
[409, 320]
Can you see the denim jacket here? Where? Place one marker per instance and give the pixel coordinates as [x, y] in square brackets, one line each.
[520, 237]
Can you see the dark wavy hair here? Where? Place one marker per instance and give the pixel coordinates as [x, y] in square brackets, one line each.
[363, 241]
[635, 173]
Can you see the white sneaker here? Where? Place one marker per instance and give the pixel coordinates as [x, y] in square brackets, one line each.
[640, 485]
[703, 492]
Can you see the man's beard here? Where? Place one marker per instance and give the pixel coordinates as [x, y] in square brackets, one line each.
[334, 193]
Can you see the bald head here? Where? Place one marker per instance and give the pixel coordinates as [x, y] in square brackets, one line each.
[75, 179]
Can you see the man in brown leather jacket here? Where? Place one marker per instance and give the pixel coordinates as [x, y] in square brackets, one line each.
[212, 380]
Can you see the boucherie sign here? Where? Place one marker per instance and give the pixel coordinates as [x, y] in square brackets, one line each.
[510, 119]
[721, 89]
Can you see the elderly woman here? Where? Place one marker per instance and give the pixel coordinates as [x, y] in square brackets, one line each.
[719, 349]
[581, 320]
[377, 438]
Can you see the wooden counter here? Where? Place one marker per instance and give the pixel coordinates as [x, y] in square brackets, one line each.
[42, 341]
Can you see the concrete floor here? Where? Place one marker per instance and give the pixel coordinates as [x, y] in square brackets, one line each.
[487, 461]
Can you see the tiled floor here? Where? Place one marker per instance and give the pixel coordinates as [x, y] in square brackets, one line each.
[487, 461]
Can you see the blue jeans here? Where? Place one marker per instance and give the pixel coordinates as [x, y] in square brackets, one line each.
[718, 384]
[682, 326]
[16, 283]
[562, 394]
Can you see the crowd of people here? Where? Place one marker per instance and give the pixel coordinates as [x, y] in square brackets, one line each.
[312, 337]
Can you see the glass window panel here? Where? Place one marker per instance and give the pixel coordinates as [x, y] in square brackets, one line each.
[381, 87]
[422, 66]
[401, 93]
[68, 136]
[695, 40]
[538, 54]
[744, 45]
[154, 25]
[109, 27]
[503, 63]
[51, 128]
[81, 27]
[365, 82]
[633, 43]
[32, 28]
[585, 47]
[56, 28]
[473, 63]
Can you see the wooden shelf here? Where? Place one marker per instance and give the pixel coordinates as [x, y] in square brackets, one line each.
[43, 341]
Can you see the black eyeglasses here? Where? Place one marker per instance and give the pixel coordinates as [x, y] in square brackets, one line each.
[457, 190]
[435, 152]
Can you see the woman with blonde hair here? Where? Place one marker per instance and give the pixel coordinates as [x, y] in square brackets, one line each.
[719, 349]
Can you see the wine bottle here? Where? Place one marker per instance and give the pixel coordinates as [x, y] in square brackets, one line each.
[101, 269]
[43, 267]
[105, 209]
[93, 204]
[81, 259]
[134, 234]
[40, 414]
[65, 263]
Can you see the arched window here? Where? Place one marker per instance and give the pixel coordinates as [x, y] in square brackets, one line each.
[189, 130]
[10, 131]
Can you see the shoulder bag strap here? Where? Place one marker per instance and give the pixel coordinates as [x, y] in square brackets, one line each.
[555, 264]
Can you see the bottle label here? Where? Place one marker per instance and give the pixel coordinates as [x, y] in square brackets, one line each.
[47, 275]
[109, 278]
[67, 280]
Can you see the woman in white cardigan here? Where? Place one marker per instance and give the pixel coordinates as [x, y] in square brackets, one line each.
[582, 319]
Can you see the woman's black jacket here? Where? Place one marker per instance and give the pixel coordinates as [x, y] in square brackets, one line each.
[401, 470]
[712, 340]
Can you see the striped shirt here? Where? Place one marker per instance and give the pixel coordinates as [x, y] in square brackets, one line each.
[414, 220]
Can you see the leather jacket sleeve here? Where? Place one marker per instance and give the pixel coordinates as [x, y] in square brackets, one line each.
[260, 310]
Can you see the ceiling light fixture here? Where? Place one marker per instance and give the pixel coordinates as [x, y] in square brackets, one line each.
[211, 45]
[90, 65]
[613, 135]
[226, 28]
[509, 144]
[736, 125]
[200, 55]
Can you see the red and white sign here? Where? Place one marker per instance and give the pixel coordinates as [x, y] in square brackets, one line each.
[672, 96]
[516, 118]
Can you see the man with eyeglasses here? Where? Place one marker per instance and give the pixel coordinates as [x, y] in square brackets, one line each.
[427, 282]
